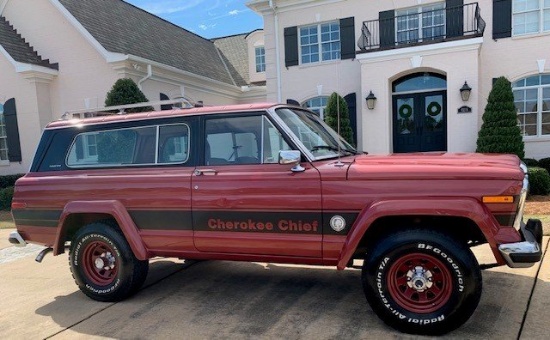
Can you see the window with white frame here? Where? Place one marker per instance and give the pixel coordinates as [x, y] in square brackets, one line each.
[532, 100]
[530, 16]
[260, 59]
[3, 137]
[420, 23]
[320, 42]
[317, 105]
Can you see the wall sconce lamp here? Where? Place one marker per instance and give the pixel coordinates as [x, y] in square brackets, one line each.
[371, 101]
[465, 91]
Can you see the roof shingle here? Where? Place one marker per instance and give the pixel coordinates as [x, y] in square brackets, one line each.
[123, 28]
[234, 50]
[18, 48]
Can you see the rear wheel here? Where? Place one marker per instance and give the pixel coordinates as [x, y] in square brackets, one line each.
[422, 282]
[103, 264]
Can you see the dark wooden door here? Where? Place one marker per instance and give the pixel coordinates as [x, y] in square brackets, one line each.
[420, 122]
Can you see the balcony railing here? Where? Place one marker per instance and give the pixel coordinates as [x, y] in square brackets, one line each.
[426, 27]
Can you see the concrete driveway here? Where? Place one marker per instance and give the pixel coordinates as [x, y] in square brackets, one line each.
[218, 300]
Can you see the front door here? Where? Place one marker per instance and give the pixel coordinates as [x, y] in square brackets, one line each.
[420, 122]
[244, 201]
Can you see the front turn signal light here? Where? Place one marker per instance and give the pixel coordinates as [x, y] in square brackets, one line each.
[498, 199]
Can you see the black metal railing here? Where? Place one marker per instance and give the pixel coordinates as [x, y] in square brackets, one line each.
[425, 27]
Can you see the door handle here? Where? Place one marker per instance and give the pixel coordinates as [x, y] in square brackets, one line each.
[206, 172]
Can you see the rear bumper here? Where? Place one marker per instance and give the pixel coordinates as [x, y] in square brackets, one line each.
[16, 239]
[528, 252]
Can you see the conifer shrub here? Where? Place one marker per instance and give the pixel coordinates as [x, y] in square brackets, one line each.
[337, 103]
[500, 132]
[125, 91]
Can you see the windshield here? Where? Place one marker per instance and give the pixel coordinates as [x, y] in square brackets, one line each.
[316, 136]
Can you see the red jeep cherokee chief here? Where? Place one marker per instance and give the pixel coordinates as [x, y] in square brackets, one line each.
[273, 183]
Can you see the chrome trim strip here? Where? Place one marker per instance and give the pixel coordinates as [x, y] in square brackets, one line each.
[529, 246]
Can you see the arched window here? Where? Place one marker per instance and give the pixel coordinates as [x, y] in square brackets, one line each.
[418, 82]
[532, 100]
[317, 105]
[3, 136]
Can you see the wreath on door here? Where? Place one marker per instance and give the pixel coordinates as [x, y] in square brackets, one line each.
[434, 109]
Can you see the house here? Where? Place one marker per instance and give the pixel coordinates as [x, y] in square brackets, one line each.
[61, 55]
[414, 57]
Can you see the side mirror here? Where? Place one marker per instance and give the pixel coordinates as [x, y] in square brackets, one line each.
[291, 157]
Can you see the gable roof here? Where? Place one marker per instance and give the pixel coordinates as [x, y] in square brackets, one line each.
[123, 28]
[18, 48]
[234, 50]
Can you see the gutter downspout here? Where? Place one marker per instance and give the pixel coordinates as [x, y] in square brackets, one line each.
[277, 59]
[149, 75]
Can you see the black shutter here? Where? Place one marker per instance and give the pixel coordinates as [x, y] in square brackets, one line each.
[502, 19]
[455, 18]
[347, 37]
[165, 106]
[291, 46]
[292, 102]
[386, 21]
[351, 100]
[12, 131]
[79, 148]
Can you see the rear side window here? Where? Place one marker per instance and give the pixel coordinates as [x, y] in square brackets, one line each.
[159, 144]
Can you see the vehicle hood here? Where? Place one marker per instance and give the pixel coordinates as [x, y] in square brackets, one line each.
[436, 165]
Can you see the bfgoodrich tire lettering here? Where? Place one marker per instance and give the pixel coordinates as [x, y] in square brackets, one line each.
[422, 282]
[103, 265]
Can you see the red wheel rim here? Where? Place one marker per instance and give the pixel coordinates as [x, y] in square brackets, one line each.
[419, 283]
[99, 263]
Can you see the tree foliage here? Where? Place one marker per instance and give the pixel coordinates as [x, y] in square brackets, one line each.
[337, 103]
[125, 91]
[500, 132]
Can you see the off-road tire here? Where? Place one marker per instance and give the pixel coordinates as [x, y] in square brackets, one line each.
[422, 282]
[103, 264]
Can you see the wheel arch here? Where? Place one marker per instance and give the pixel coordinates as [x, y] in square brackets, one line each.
[384, 217]
[77, 214]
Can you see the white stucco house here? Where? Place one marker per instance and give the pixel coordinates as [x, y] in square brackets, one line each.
[63, 55]
[414, 56]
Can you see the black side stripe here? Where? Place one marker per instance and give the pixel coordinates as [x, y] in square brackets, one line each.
[39, 218]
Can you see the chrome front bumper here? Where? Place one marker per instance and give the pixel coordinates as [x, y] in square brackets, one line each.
[16, 239]
[526, 253]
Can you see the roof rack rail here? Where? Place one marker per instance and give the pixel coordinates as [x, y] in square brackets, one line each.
[180, 103]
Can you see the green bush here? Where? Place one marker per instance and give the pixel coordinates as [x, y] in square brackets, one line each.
[539, 181]
[500, 132]
[545, 163]
[125, 91]
[531, 162]
[337, 103]
[9, 180]
[6, 195]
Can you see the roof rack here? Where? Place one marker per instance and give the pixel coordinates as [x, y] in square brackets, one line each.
[180, 103]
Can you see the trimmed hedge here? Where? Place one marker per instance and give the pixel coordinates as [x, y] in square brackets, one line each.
[545, 163]
[539, 181]
[9, 180]
[531, 162]
[6, 195]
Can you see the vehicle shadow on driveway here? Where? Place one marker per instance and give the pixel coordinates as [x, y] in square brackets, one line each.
[218, 299]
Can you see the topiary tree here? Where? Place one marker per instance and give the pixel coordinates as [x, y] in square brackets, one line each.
[335, 103]
[500, 132]
[125, 91]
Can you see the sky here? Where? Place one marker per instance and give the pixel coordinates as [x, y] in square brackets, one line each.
[207, 18]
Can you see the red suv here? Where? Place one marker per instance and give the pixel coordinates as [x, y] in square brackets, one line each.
[273, 183]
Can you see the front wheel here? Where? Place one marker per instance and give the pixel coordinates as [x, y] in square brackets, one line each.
[103, 264]
[422, 282]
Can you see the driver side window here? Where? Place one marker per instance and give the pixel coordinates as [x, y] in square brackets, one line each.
[242, 140]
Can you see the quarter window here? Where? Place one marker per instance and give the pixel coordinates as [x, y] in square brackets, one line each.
[320, 42]
[531, 16]
[420, 23]
[148, 145]
[3, 137]
[260, 59]
[532, 100]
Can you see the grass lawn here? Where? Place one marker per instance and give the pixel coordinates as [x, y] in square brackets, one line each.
[6, 222]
